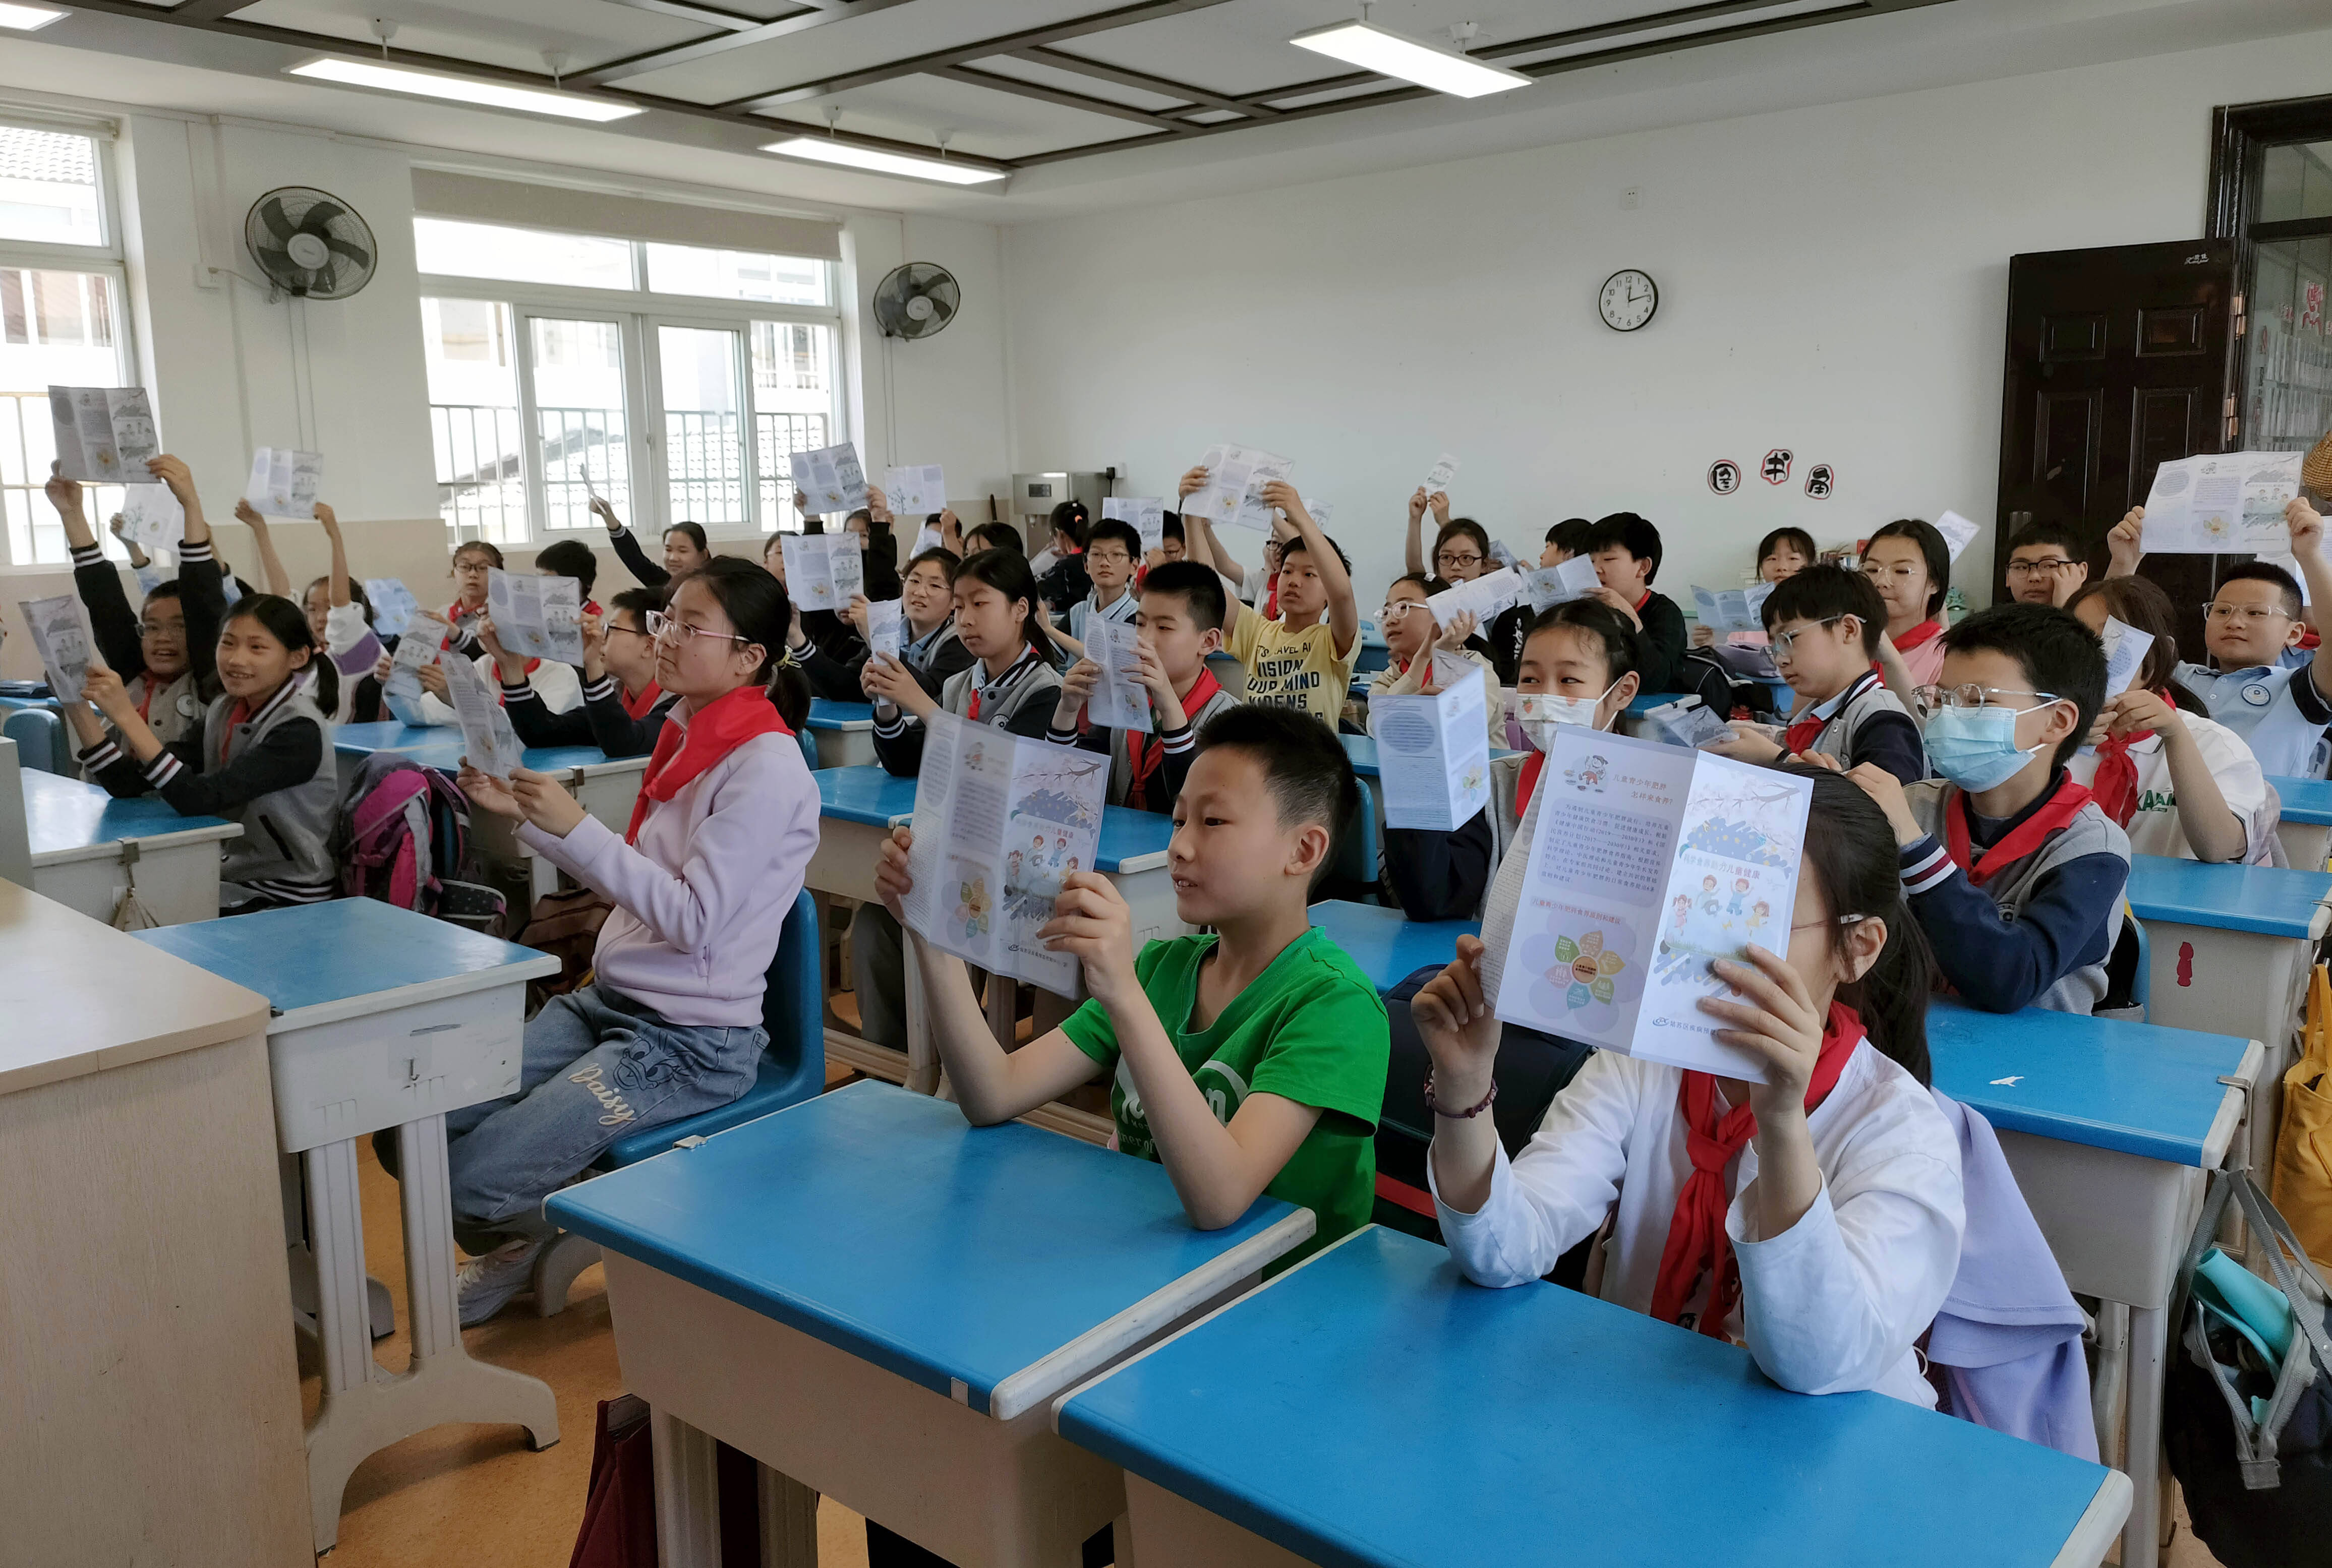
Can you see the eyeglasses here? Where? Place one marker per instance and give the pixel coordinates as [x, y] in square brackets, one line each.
[1900, 574]
[1108, 558]
[1449, 558]
[611, 629]
[661, 626]
[1394, 609]
[2038, 568]
[1931, 698]
[2252, 614]
[1785, 643]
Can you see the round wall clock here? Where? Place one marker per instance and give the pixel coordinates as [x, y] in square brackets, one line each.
[1628, 300]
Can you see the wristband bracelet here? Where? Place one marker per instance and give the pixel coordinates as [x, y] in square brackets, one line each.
[1434, 1106]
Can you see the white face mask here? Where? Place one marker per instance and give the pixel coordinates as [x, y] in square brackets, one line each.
[1536, 713]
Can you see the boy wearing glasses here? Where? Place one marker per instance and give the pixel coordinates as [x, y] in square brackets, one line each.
[2011, 869]
[1111, 548]
[2249, 627]
[2047, 564]
[1824, 625]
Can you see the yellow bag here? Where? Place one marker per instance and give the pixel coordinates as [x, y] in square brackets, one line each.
[2303, 1143]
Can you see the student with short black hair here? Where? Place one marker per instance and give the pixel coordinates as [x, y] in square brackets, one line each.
[684, 548]
[2014, 871]
[1626, 549]
[997, 536]
[1113, 551]
[558, 687]
[1824, 624]
[2280, 701]
[571, 558]
[1782, 555]
[2047, 563]
[1181, 621]
[1248, 1057]
[1171, 544]
[1503, 639]
[1299, 660]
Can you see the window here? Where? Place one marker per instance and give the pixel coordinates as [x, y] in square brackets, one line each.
[61, 322]
[554, 375]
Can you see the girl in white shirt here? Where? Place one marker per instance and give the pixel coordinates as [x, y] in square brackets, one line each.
[2179, 782]
[1816, 1218]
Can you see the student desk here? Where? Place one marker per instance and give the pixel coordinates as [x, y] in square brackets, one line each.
[1371, 1407]
[843, 732]
[2110, 1127]
[89, 848]
[606, 786]
[381, 1017]
[1630, 720]
[1388, 947]
[2231, 950]
[2305, 827]
[153, 1393]
[879, 1301]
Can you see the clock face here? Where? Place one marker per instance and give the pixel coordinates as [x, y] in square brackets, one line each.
[1628, 300]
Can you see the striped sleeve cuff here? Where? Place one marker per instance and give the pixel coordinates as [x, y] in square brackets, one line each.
[1175, 742]
[600, 689]
[101, 756]
[1060, 736]
[163, 769]
[523, 691]
[191, 552]
[895, 726]
[1926, 866]
[88, 556]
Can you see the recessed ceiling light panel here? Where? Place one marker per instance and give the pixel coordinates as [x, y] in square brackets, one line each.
[25, 18]
[1388, 53]
[462, 88]
[825, 149]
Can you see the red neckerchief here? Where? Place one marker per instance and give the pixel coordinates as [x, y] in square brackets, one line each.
[1144, 753]
[1807, 730]
[1696, 1243]
[640, 707]
[1533, 766]
[1271, 599]
[146, 698]
[239, 714]
[1644, 601]
[1924, 632]
[2026, 837]
[2115, 785]
[683, 751]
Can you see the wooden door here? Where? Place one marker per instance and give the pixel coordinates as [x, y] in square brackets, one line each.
[2118, 359]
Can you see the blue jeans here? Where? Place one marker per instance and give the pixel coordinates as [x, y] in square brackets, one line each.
[598, 1066]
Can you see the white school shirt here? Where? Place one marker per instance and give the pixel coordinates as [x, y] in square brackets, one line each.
[1831, 1304]
[2153, 828]
[2276, 711]
[1120, 609]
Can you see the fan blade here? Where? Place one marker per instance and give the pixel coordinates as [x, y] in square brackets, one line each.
[356, 254]
[278, 222]
[315, 220]
[279, 263]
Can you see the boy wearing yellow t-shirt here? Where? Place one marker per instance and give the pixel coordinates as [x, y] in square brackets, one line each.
[1299, 660]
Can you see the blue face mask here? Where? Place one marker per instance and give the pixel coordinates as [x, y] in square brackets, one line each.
[1975, 747]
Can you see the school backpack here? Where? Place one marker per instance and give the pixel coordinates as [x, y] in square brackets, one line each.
[406, 841]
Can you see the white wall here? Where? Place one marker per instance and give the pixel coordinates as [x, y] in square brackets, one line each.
[1833, 279]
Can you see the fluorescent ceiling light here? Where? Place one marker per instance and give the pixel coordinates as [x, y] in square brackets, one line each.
[1373, 48]
[826, 150]
[462, 88]
[25, 18]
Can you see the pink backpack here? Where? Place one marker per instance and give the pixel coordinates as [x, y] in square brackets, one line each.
[406, 842]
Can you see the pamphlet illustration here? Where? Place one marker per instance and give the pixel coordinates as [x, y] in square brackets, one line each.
[2125, 650]
[831, 478]
[1148, 515]
[284, 482]
[402, 691]
[1445, 468]
[915, 492]
[104, 434]
[62, 636]
[823, 570]
[1728, 610]
[537, 617]
[2221, 502]
[1687, 722]
[393, 606]
[1433, 756]
[1548, 586]
[1253, 515]
[1000, 822]
[1119, 700]
[1956, 531]
[488, 742]
[1485, 597]
[152, 517]
[1649, 863]
[1235, 475]
[886, 628]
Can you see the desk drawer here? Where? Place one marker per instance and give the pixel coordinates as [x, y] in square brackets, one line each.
[342, 1079]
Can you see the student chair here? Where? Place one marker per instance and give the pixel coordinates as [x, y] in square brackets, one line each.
[2128, 972]
[808, 747]
[792, 1069]
[41, 742]
[1356, 869]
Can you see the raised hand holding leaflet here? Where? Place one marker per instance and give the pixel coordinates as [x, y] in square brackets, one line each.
[284, 483]
[2126, 648]
[152, 517]
[1560, 583]
[816, 567]
[999, 824]
[1146, 513]
[1119, 700]
[927, 538]
[1650, 862]
[1445, 468]
[393, 606]
[402, 691]
[915, 492]
[1433, 755]
[1253, 514]
[1956, 531]
[488, 742]
[1485, 597]
[831, 478]
[886, 628]
[62, 636]
[537, 617]
[104, 434]
[2221, 502]
[1725, 610]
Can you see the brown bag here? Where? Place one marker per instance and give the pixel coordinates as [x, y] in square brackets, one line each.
[565, 925]
[2303, 1141]
[2315, 468]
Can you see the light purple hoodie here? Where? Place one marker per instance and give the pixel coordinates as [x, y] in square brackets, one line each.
[701, 898]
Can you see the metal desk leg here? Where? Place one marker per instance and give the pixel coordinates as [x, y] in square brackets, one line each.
[789, 1521]
[2112, 1382]
[2148, 1348]
[366, 1409]
[687, 1494]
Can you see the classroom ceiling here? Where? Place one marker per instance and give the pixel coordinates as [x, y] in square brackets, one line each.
[1013, 83]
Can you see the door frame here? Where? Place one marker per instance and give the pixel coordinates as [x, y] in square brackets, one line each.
[2241, 135]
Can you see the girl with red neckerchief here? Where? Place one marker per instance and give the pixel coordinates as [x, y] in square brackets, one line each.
[703, 878]
[1910, 564]
[1816, 1216]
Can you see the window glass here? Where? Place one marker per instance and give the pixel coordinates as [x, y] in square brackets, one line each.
[579, 418]
[793, 405]
[704, 454]
[48, 188]
[473, 418]
[736, 275]
[460, 250]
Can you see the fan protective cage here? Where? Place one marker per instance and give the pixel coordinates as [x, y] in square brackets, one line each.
[896, 308]
[309, 242]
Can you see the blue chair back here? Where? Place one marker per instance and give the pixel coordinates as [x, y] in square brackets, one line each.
[39, 737]
[1359, 855]
[792, 1067]
[809, 748]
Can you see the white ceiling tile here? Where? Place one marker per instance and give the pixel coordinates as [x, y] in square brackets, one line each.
[1075, 82]
[985, 123]
[506, 32]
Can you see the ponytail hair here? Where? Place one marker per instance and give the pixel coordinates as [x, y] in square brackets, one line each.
[288, 624]
[1856, 863]
[1007, 572]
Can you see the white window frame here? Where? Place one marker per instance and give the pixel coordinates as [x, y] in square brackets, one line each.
[105, 260]
[639, 313]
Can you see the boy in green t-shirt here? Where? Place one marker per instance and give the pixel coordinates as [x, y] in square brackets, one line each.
[1248, 1060]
